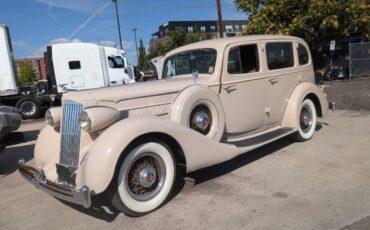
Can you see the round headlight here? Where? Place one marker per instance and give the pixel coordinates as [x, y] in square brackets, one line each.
[85, 122]
[49, 118]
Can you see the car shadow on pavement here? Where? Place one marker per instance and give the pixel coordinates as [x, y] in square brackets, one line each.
[226, 167]
[101, 208]
[9, 158]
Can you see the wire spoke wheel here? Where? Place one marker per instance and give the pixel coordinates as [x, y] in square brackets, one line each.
[146, 176]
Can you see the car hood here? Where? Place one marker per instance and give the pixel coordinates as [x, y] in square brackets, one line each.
[143, 93]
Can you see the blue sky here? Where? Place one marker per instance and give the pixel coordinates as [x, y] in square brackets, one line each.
[36, 23]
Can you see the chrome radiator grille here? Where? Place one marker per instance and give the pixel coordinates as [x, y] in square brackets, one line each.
[70, 140]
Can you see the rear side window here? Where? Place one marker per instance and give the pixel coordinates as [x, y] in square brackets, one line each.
[243, 59]
[74, 65]
[279, 55]
[302, 55]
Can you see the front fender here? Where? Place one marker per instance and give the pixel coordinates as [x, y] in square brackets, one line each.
[303, 90]
[99, 166]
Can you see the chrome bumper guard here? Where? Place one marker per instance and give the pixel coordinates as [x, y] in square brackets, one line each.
[77, 196]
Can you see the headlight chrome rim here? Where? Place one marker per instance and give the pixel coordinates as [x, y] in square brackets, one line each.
[85, 121]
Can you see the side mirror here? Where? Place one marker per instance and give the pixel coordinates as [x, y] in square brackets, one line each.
[195, 75]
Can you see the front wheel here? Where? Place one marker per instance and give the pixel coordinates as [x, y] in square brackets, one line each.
[306, 121]
[145, 179]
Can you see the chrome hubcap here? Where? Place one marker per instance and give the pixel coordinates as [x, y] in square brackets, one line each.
[306, 119]
[201, 119]
[146, 176]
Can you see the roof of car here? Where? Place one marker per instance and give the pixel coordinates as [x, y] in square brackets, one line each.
[222, 42]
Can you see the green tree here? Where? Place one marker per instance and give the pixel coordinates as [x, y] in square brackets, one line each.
[176, 39]
[313, 20]
[26, 73]
[143, 59]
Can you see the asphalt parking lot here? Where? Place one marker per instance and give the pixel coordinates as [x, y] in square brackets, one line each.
[320, 184]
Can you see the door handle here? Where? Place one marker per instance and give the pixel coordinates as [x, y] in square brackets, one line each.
[230, 88]
[274, 80]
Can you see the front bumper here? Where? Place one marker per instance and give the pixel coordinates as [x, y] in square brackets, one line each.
[77, 196]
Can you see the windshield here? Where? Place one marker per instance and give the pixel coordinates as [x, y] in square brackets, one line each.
[202, 60]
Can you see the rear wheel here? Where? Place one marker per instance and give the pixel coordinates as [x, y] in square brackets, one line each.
[30, 108]
[307, 121]
[145, 179]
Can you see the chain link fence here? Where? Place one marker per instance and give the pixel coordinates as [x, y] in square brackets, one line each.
[359, 59]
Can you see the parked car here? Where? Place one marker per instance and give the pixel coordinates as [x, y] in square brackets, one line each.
[217, 99]
[10, 120]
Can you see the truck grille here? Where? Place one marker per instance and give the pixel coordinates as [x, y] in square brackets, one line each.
[70, 140]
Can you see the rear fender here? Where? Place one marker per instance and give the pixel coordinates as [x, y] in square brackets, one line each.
[98, 168]
[301, 92]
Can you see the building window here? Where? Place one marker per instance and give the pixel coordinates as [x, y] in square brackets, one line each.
[229, 28]
[203, 29]
[237, 28]
[243, 59]
[213, 28]
[74, 65]
[279, 55]
[190, 29]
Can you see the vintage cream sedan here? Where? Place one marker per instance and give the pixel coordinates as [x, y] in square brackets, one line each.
[217, 99]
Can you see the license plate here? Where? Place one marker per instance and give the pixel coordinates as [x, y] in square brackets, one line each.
[64, 173]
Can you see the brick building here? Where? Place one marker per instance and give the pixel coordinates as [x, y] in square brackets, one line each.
[38, 65]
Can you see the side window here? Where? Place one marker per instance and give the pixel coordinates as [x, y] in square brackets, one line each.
[302, 55]
[74, 65]
[233, 61]
[243, 59]
[279, 55]
[116, 62]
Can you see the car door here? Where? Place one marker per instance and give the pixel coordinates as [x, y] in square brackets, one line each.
[243, 89]
[116, 70]
[283, 77]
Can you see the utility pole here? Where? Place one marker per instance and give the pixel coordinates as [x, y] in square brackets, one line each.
[137, 55]
[119, 27]
[219, 14]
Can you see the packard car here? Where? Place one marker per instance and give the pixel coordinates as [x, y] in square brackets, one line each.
[217, 99]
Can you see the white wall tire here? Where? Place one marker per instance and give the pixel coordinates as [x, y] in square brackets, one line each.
[193, 98]
[137, 193]
[306, 121]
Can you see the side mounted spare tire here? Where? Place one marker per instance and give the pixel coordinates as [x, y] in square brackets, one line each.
[199, 108]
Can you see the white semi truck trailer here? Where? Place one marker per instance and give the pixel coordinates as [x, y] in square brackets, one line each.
[69, 67]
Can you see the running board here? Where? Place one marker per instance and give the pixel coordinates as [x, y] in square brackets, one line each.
[262, 138]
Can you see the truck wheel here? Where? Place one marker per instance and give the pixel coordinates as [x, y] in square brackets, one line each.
[306, 122]
[30, 108]
[145, 179]
[200, 109]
